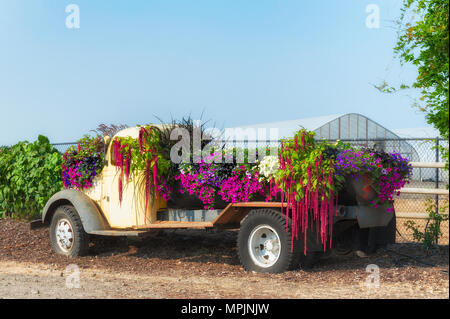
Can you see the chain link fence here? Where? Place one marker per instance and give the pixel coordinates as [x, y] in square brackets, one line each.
[407, 206]
[62, 147]
[414, 206]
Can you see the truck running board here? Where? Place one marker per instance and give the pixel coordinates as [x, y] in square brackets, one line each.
[167, 224]
[188, 215]
[131, 233]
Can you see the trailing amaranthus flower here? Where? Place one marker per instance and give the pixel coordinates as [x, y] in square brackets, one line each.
[148, 150]
[122, 162]
[306, 184]
[143, 157]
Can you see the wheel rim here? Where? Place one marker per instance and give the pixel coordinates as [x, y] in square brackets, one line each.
[264, 246]
[64, 235]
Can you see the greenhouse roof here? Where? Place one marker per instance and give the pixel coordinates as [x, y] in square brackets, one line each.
[421, 132]
[350, 126]
[287, 128]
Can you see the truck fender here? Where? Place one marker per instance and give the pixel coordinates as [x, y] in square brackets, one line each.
[90, 214]
[367, 216]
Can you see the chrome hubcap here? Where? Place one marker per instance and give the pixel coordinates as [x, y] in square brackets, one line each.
[264, 246]
[64, 235]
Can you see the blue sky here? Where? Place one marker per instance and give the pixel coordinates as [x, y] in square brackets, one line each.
[239, 62]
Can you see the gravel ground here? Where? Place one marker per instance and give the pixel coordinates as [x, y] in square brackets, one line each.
[200, 264]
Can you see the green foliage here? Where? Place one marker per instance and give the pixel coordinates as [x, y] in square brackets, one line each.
[147, 159]
[30, 173]
[430, 235]
[151, 148]
[305, 163]
[425, 43]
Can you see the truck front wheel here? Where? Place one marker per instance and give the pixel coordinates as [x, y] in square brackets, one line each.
[67, 235]
[264, 243]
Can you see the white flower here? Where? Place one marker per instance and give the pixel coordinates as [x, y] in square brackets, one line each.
[268, 166]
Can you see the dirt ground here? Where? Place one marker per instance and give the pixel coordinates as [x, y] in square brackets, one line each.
[200, 264]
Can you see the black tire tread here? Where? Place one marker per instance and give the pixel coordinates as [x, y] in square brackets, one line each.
[293, 256]
[81, 238]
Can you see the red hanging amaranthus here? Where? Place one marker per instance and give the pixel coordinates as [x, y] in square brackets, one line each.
[152, 156]
[142, 155]
[306, 188]
[122, 158]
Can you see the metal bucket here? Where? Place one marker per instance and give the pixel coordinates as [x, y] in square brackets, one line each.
[361, 188]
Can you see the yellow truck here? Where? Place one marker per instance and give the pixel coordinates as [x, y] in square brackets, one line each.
[264, 242]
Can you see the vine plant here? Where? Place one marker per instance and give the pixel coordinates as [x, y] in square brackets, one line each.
[146, 159]
[306, 181]
[432, 231]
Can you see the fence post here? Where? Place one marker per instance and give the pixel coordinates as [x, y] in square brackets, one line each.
[437, 182]
[437, 175]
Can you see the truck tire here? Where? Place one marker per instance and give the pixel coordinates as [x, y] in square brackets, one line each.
[264, 244]
[67, 235]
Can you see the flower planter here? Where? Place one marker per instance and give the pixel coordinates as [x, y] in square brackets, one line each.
[191, 202]
[361, 189]
[186, 201]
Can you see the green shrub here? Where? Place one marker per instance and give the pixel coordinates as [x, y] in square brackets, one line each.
[30, 173]
[432, 232]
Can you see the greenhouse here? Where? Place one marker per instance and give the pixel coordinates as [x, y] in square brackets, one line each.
[355, 128]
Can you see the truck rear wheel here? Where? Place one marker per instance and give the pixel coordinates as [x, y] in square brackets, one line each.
[264, 244]
[67, 234]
